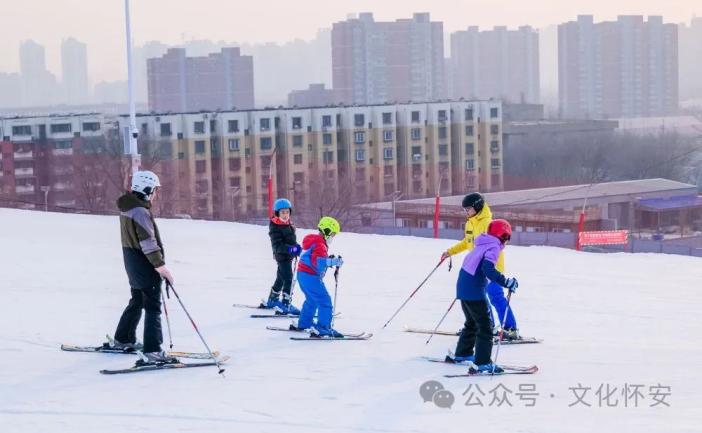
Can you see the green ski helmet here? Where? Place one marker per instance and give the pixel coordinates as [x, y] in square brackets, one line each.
[329, 226]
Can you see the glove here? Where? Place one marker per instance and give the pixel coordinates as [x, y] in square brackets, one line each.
[165, 273]
[334, 261]
[295, 250]
[445, 255]
[511, 284]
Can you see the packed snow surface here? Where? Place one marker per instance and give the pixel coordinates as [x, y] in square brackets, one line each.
[607, 320]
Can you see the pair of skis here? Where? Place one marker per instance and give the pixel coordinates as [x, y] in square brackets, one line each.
[507, 369]
[275, 315]
[520, 340]
[105, 348]
[292, 328]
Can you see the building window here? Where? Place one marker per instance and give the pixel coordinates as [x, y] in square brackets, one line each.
[297, 158]
[92, 126]
[266, 162]
[358, 120]
[63, 144]
[266, 143]
[494, 129]
[388, 171]
[297, 123]
[297, 140]
[360, 155]
[387, 118]
[165, 130]
[234, 164]
[234, 144]
[387, 153]
[265, 124]
[470, 148]
[328, 157]
[22, 130]
[416, 133]
[61, 128]
[387, 136]
[200, 166]
[494, 146]
[415, 117]
[360, 174]
[495, 162]
[326, 121]
[469, 131]
[469, 114]
[359, 137]
[416, 153]
[232, 126]
[199, 147]
[235, 182]
[327, 139]
[442, 115]
[443, 149]
[442, 132]
[494, 113]
[298, 177]
[470, 164]
[199, 127]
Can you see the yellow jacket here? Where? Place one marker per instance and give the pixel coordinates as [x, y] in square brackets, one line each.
[475, 226]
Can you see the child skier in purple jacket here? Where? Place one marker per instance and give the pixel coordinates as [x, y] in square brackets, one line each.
[475, 342]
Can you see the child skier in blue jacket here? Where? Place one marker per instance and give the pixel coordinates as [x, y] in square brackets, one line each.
[475, 341]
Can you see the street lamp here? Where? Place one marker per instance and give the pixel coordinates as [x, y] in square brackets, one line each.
[45, 190]
[394, 197]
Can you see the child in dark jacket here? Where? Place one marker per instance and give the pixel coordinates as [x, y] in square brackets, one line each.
[475, 342]
[285, 249]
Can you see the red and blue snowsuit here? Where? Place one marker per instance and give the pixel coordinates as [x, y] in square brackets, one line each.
[313, 264]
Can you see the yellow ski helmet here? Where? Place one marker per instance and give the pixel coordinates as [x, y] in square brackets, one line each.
[329, 226]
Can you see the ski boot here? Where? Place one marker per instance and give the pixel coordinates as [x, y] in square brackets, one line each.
[459, 359]
[155, 358]
[488, 368]
[325, 332]
[125, 347]
[273, 300]
[509, 334]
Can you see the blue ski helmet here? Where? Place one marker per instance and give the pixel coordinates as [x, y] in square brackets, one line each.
[282, 203]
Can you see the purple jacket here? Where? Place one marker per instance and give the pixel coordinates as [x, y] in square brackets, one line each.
[478, 267]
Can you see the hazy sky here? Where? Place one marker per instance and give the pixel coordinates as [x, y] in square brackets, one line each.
[100, 23]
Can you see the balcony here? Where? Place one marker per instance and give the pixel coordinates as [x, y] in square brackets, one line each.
[24, 172]
[25, 189]
[23, 156]
[62, 152]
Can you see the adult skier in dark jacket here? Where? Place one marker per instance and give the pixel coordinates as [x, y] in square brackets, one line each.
[285, 249]
[143, 255]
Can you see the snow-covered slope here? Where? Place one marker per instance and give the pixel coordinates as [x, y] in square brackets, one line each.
[611, 319]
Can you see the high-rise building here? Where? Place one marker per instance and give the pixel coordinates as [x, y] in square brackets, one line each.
[690, 56]
[219, 81]
[316, 95]
[496, 63]
[380, 62]
[11, 90]
[38, 85]
[623, 68]
[74, 65]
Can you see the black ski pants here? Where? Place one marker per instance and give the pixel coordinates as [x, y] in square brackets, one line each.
[148, 299]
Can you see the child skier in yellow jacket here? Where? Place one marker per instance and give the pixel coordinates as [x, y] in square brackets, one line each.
[479, 217]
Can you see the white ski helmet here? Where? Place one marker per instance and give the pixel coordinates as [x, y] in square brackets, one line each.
[145, 182]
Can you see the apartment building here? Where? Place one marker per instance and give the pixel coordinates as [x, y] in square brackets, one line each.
[217, 165]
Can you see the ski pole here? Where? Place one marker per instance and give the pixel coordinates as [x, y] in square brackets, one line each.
[441, 321]
[294, 281]
[219, 366]
[336, 289]
[413, 293]
[499, 338]
[168, 321]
